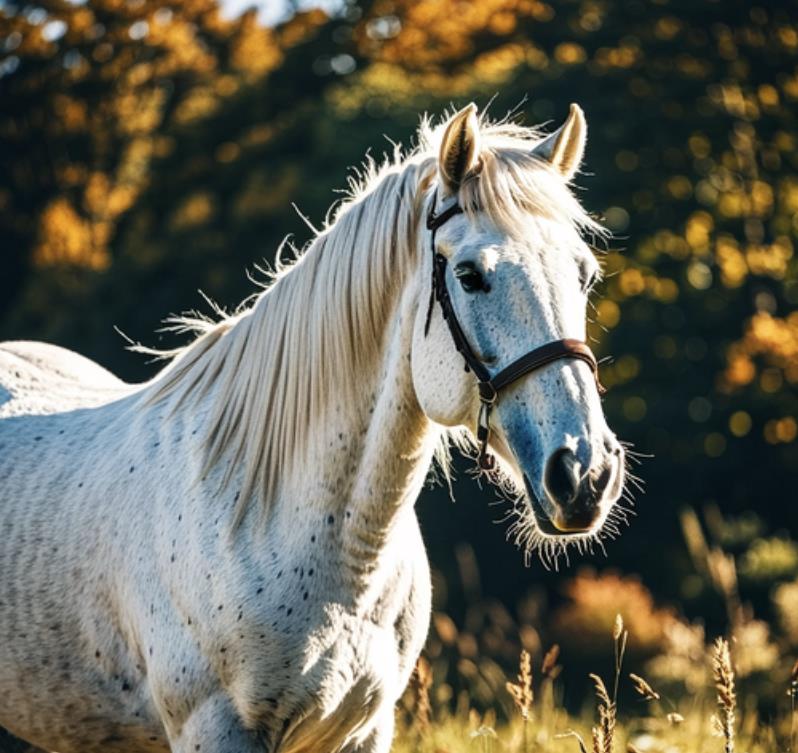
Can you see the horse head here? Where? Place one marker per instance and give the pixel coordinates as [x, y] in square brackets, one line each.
[513, 278]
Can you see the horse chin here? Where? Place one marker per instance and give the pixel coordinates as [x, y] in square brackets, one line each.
[534, 533]
[543, 522]
[547, 528]
[531, 529]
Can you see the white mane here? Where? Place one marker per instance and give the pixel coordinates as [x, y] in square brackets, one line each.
[276, 368]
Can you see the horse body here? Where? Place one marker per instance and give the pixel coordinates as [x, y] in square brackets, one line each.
[227, 559]
[304, 630]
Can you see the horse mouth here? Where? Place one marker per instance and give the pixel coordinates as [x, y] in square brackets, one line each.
[542, 520]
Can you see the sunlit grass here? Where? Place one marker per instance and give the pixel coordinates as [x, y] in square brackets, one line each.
[671, 686]
[722, 717]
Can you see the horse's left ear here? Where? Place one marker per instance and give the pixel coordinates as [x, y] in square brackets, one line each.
[459, 148]
[564, 148]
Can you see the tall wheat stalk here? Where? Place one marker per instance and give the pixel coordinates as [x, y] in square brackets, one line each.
[619, 636]
[522, 693]
[727, 698]
[603, 734]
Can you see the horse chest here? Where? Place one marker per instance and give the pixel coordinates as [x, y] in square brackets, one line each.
[296, 648]
[333, 663]
[351, 667]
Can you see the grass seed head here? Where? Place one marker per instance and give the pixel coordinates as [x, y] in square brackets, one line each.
[522, 693]
[550, 660]
[604, 732]
[601, 689]
[643, 688]
[723, 673]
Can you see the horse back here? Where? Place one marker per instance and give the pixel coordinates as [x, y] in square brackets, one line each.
[39, 378]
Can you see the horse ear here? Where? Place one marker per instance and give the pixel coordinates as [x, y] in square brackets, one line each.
[564, 148]
[459, 148]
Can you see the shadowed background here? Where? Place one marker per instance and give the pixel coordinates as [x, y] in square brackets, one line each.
[150, 149]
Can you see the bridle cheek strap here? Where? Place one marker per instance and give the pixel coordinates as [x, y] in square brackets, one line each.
[490, 386]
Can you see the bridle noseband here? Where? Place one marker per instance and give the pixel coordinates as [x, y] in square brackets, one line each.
[490, 386]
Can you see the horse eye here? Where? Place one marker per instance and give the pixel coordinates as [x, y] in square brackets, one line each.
[470, 277]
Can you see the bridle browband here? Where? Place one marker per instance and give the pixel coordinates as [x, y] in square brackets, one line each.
[490, 386]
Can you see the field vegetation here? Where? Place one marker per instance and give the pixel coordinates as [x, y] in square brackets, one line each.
[658, 683]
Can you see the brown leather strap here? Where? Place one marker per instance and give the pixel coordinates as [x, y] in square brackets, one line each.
[434, 221]
[489, 387]
[546, 354]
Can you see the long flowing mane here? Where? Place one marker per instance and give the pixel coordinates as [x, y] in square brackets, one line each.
[271, 369]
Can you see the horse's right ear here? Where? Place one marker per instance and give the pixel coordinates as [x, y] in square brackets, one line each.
[459, 149]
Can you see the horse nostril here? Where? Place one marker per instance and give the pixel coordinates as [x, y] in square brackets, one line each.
[562, 476]
[602, 480]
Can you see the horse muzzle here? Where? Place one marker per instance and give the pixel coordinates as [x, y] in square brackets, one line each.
[576, 500]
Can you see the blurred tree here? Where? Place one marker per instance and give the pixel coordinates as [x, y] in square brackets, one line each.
[92, 97]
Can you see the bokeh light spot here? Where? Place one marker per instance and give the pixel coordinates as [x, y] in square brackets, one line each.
[781, 430]
[714, 444]
[699, 409]
[569, 53]
[54, 30]
[739, 423]
[699, 275]
[771, 380]
[626, 160]
[609, 313]
[635, 408]
[665, 347]
[616, 219]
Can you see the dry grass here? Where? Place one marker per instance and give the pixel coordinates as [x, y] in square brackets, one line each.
[420, 685]
[522, 693]
[537, 724]
[793, 693]
[727, 697]
[690, 694]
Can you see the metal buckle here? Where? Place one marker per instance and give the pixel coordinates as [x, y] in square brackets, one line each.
[487, 393]
[483, 422]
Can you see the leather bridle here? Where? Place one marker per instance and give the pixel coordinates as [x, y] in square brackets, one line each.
[490, 386]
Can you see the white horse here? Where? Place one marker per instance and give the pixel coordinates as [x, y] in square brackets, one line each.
[226, 559]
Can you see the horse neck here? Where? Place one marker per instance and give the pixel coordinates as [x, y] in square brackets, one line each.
[378, 453]
[395, 455]
[307, 402]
